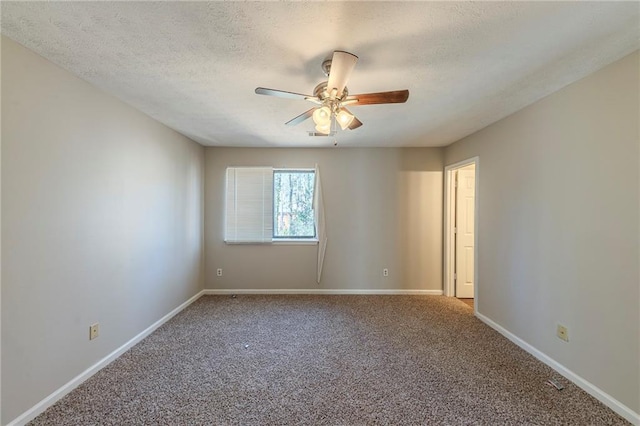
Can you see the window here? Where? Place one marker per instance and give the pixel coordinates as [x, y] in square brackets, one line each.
[265, 204]
[293, 204]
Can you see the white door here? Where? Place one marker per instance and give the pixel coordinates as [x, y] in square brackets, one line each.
[465, 206]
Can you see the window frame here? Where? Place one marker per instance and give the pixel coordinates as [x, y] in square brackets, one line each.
[292, 240]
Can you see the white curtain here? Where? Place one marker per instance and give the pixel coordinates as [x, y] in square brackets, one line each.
[249, 209]
[321, 233]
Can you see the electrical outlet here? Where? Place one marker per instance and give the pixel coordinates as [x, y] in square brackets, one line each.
[562, 332]
[385, 272]
[219, 272]
[94, 331]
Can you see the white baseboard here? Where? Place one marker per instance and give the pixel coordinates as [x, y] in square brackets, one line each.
[41, 406]
[216, 291]
[588, 387]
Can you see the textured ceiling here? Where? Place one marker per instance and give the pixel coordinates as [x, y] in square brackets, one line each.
[194, 65]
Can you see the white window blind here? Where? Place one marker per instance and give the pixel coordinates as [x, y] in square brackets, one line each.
[249, 209]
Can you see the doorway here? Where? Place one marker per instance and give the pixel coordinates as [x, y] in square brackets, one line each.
[460, 231]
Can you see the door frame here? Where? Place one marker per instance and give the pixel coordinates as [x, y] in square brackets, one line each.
[449, 212]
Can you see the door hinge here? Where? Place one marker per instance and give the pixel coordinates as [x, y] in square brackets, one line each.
[455, 230]
[455, 276]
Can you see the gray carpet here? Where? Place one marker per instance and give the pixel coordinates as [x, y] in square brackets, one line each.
[333, 360]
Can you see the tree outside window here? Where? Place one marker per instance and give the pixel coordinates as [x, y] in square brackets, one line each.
[293, 203]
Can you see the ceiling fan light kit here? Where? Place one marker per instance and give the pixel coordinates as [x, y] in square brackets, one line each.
[332, 96]
[322, 116]
[344, 119]
[324, 128]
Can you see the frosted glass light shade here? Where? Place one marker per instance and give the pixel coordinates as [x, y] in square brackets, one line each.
[324, 128]
[344, 119]
[322, 116]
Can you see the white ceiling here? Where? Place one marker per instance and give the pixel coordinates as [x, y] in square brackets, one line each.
[194, 65]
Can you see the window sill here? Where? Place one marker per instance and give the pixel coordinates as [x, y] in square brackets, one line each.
[296, 241]
[278, 242]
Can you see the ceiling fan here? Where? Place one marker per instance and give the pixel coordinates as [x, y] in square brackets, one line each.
[332, 97]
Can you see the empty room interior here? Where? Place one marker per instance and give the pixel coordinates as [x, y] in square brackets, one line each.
[340, 213]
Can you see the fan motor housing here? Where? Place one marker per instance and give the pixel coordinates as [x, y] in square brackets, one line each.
[321, 91]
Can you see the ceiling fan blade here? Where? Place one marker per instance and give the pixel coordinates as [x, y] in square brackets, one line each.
[395, 97]
[355, 123]
[342, 64]
[313, 99]
[299, 119]
[331, 133]
[281, 93]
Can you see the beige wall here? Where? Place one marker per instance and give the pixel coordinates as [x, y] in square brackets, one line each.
[101, 222]
[383, 209]
[558, 231]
